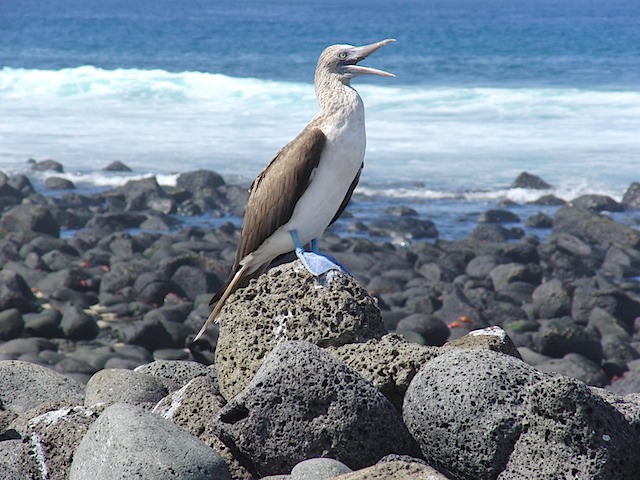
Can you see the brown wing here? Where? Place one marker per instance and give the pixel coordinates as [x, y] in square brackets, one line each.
[277, 189]
[347, 197]
[275, 192]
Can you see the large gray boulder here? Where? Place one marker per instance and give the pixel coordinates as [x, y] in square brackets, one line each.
[484, 415]
[113, 385]
[129, 442]
[289, 303]
[25, 385]
[304, 403]
[466, 411]
[573, 433]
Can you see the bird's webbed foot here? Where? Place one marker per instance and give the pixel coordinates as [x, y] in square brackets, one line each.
[315, 262]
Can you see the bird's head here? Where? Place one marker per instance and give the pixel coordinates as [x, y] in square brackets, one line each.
[342, 60]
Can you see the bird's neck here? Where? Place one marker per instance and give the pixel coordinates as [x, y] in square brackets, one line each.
[336, 97]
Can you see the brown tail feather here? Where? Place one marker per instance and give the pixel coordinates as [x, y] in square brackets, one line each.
[231, 287]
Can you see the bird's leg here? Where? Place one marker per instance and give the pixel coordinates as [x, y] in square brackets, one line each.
[315, 262]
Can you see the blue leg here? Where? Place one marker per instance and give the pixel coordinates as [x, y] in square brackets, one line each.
[315, 262]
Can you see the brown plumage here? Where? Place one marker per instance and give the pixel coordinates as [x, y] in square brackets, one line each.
[309, 182]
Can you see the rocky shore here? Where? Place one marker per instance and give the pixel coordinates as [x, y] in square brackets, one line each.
[497, 356]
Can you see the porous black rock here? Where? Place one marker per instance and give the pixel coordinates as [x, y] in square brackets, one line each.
[289, 303]
[304, 403]
[572, 432]
[465, 410]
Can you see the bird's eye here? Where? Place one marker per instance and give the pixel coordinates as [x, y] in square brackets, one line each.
[342, 55]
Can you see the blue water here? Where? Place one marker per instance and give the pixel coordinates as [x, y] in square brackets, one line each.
[483, 91]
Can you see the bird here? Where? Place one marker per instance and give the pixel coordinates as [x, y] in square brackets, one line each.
[309, 182]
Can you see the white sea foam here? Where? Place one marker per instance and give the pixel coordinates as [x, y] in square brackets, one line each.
[473, 140]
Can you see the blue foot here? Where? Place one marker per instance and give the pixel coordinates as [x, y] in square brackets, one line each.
[315, 262]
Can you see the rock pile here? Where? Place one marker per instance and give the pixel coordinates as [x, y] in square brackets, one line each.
[305, 368]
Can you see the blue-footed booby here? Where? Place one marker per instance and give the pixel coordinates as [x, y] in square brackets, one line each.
[309, 182]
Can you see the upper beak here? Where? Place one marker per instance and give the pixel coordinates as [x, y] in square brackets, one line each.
[359, 53]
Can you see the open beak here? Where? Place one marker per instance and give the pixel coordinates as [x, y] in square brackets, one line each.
[350, 67]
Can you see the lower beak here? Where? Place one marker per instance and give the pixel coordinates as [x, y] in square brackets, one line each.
[360, 53]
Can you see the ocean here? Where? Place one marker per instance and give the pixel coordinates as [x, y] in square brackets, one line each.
[483, 91]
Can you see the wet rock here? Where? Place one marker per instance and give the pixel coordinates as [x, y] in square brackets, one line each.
[77, 325]
[46, 165]
[138, 193]
[151, 334]
[45, 324]
[199, 180]
[631, 198]
[498, 216]
[315, 406]
[432, 329]
[11, 324]
[29, 219]
[404, 226]
[480, 266]
[15, 293]
[551, 299]
[548, 200]
[576, 366]
[288, 303]
[594, 228]
[530, 181]
[108, 449]
[621, 262]
[597, 203]
[119, 385]
[539, 220]
[627, 384]
[507, 273]
[560, 336]
[22, 184]
[490, 232]
[117, 166]
[58, 183]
